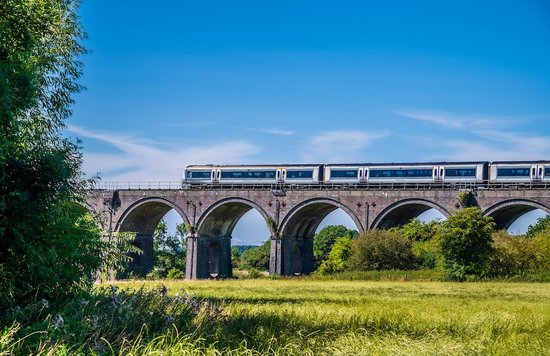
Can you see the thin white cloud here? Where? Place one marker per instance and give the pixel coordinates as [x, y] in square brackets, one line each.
[140, 160]
[461, 122]
[274, 131]
[339, 146]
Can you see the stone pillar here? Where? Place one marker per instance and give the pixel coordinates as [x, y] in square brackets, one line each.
[276, 256]
[208, 257]
[143, 263]
[191, 261]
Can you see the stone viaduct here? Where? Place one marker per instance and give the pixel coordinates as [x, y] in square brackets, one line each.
[292, 215]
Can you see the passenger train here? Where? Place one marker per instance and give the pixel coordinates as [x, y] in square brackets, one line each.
[442, 172]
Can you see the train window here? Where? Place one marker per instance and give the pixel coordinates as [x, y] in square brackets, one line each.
[460, 172]
[248, 174]
[199, 174]
[513, 172]
[400, 173]
[299, 174]
[547, 171]
[343, 173]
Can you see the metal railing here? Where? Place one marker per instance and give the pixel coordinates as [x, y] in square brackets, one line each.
[171, 185]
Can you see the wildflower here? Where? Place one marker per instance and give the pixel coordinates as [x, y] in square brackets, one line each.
[45, 303]
[58, 322]
[163, 290]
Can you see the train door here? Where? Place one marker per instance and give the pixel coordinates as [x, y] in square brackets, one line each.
[537, 173]
[215, 176]
[437, 173]
[363, 172]
[280, 175]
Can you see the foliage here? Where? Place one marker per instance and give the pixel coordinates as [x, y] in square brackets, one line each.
[416, 230]
[108, 319]
[381, 250]
[324, 239]
[337, 257]
[49, 248]
[512, 255]
[466, 244]
[169, 250]
[541, 226]
[256, 257]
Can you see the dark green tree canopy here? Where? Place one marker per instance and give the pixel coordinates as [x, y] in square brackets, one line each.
[40, 177]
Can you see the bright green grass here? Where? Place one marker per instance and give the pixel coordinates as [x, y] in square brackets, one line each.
[307, 316]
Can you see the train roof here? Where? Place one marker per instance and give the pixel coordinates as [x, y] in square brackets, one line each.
[521, 162]
[252, 165]
[406, 164]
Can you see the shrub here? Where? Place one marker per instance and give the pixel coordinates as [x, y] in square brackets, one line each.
[512, 255]
[337, 257]
[416, 230]
[325, 239]
[253, 273]
[381, 250]
[466, 244]
[175, 273]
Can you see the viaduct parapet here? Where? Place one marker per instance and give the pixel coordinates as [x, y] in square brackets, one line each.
[292, 215]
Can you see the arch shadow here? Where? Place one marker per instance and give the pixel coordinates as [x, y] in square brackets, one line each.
[401, 212]
[142, 218]
[303, 220]
[222, 216]
[506, 212]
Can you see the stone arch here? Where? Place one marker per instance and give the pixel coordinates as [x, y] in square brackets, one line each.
[142, 218]
[506, 212]
[302, 221]
[222, 216]
[292, 254]
[209, 249]
[401, 212]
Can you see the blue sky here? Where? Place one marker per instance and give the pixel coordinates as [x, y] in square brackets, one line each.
[174, 83]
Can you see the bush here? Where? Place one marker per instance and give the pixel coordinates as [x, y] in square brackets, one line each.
[416, 230]
[256, 257]
[337, 257]
[466, 244]
[325, 239]
[175, 273]
[512, 255]
[381, 250]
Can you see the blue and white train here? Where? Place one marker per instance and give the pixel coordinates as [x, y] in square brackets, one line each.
[435, 172]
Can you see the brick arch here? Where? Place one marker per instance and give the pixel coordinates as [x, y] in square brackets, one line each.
[506, 212]
[302, 220]
[144, 215]
[402, 211]
[220, 218]
[142, 218]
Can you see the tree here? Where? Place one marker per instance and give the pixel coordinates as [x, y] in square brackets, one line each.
[381, 250]
[256, 257]
[542, 225]
[325, 239]
[416, 230]
[40, 178]
[169, 250]
[337, 257]
[465, 243]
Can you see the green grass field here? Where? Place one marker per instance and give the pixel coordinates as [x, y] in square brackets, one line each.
[308, 316]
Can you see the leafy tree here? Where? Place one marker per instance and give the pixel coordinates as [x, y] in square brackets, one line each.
[466, 244]
[381, 250]
[169, 250]
[337, 257]
[542, 225]
[416, 230]
[49, 247]
[325, 239]
[256, 257]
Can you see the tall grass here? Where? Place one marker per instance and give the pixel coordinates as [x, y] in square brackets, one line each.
[332, 317]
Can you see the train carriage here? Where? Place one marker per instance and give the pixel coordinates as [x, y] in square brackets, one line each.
[519, 171]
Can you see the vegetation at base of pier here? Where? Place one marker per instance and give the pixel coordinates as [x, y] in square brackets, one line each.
[294, 316]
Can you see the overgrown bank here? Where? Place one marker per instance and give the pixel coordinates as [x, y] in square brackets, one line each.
[296, 316]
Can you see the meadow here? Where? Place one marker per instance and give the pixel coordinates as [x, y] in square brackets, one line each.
[337, 317]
